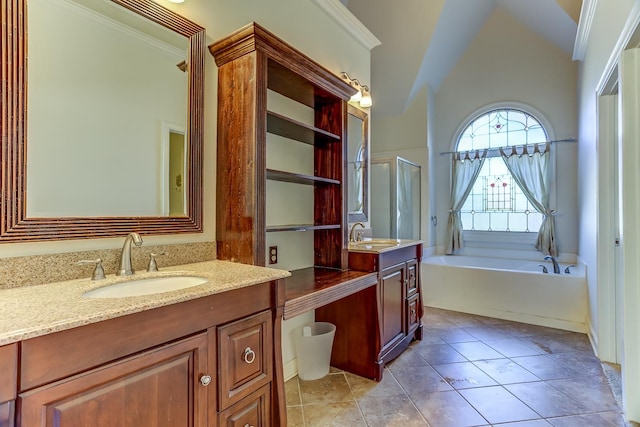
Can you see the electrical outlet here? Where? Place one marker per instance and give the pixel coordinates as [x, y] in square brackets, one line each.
[273, 254]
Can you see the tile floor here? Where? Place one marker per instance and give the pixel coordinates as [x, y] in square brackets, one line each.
[468, 371]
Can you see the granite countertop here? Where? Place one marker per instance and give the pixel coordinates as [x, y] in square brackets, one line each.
[381, 245]
[32, 311]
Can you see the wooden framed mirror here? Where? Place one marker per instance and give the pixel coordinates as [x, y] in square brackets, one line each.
[17, 222]
[357, 164]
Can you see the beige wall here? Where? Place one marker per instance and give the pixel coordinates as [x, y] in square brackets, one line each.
[508, 62]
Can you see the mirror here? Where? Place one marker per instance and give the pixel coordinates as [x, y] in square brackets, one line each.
[357, 164]
[101, 157]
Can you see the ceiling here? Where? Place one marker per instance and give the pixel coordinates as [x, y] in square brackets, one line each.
[428, 37]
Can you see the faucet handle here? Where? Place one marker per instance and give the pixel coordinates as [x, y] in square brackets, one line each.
[153, 265]
[98, 272]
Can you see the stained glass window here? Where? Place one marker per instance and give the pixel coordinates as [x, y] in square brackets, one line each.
[496, 203]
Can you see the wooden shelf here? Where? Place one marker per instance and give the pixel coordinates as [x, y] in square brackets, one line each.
[294, 86]
[309, 288]
[296, 178]
[284, 126]
[300, 227]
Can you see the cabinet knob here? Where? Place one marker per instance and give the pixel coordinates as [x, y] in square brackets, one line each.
[205, 380]
[249, 355]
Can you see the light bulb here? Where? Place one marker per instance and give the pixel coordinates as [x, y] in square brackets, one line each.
[366, 100]
[357, 97]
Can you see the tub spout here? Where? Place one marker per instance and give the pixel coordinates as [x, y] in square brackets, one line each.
[556, 267]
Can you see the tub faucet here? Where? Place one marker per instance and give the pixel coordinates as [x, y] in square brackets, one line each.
[125, 268]
[556, 267]
[352, 234]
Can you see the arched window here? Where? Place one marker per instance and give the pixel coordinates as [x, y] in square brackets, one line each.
[496, 203]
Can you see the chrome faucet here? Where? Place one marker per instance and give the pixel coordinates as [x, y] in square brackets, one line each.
[125, 268]
[556, 267]
[352, 235]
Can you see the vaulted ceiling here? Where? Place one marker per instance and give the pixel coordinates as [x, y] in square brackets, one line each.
[422, 40]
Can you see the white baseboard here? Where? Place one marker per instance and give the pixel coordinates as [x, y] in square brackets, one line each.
[290, 369]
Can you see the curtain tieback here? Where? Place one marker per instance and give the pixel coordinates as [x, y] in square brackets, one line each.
[549, 212]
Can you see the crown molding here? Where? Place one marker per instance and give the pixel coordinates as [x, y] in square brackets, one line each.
[117, 26]
[349, 22]
[587, 12]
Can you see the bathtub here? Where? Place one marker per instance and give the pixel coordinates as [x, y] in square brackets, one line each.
[508, 289]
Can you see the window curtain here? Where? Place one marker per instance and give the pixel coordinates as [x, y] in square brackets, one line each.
[530, 171]
[465, 172]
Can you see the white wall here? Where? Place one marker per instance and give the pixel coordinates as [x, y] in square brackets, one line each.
[607, 27]
[405, 135]
[509, 62]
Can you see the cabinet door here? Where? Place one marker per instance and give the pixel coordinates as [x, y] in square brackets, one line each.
[252, 411]
[160, 387]
[392, 300]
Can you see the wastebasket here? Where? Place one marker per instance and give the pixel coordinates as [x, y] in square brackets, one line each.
[313, 343]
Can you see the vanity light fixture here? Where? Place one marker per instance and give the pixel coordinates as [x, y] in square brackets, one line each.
[176, 1]
[363, 96]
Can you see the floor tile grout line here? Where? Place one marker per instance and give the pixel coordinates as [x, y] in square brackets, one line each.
[409, 397]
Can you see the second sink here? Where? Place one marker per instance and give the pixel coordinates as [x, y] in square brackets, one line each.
[149, 286]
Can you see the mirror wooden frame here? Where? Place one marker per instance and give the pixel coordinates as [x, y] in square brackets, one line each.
[15, 226]
[364, 215]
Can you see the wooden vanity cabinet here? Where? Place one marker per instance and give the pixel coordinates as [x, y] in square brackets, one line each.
[387, 315]
[195, 363]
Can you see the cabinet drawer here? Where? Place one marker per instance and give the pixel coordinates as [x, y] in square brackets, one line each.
[245, 358]
[412, 277]
[253, 411]
[413, 313]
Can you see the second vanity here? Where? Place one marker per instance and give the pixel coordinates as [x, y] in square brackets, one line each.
[376, 325]
[202, 356]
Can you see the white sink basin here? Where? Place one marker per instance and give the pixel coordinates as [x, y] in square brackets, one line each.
[150, 286]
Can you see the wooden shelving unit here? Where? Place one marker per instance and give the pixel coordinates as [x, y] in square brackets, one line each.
[251, 62]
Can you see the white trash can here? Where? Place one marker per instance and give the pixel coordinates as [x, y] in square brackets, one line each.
[313, 343]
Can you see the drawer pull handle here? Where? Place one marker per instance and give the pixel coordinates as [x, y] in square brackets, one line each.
[249, 355]
[205, 380]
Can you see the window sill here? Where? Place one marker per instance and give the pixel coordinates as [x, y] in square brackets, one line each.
[512, 244]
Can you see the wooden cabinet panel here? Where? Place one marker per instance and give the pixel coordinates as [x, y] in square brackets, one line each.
[7, 414]
[245, 362]
[392, 303]
[160, 387]
[9, 367]
[253, 411]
